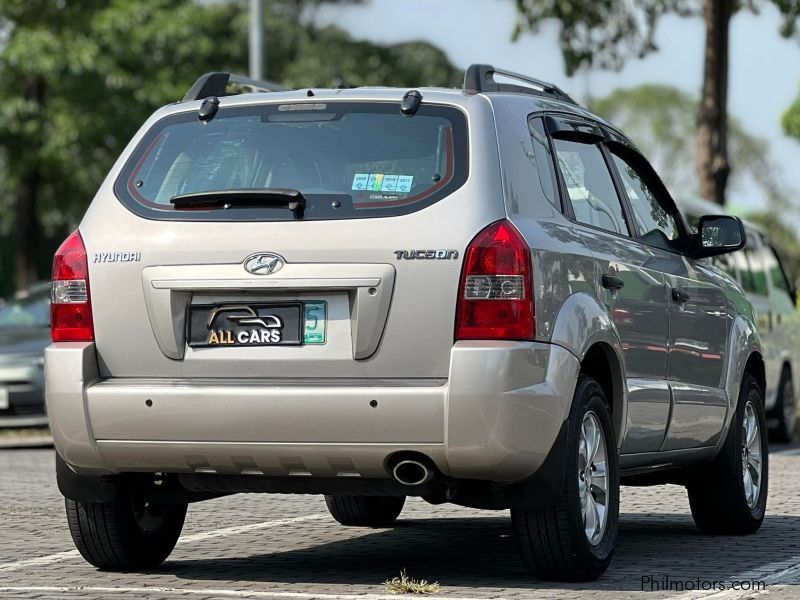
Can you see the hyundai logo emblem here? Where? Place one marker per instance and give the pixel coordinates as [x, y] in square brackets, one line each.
[264, 263]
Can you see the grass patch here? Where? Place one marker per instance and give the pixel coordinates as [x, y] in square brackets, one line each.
[32, 432]
[405, 585]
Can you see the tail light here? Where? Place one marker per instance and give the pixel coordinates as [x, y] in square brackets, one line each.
[71, 303]
[495, 300]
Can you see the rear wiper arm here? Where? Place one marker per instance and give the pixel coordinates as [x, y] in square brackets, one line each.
[252, 198]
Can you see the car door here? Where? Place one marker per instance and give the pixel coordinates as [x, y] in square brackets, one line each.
[783, 305]
[779, 314]
[698, 326]
[633, 292]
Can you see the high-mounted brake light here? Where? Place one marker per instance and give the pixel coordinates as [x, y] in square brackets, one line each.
[495, 301]
[71, 303]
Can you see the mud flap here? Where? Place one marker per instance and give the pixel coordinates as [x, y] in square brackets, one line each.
[546, 486]
[83, 488]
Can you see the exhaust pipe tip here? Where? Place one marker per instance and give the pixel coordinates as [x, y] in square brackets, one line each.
[412, 473]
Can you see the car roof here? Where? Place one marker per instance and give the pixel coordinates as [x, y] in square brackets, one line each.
[381, 94]
[479, 81]
[436, 95]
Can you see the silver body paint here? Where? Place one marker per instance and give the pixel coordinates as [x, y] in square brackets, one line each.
[479, 410]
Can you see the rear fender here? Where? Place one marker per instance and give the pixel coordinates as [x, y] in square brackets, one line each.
[744, 342]
[583, 322]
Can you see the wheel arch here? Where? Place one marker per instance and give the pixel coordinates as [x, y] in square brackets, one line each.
[745, 355]
[602, 364]
[786, 367]
[584, 327]
[755, 367]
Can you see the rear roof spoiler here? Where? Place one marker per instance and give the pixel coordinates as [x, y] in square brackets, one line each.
[215, 84]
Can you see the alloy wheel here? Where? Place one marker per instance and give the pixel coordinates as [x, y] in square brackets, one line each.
[592, 480]
[751, 455]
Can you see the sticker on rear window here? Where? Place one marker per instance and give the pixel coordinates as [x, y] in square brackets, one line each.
[389, 183]
[382, 182]
[360, 181]
[404, 183]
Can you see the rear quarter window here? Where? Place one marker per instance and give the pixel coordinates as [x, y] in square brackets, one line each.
[349, 160]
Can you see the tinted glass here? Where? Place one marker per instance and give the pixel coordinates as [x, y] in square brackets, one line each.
[544, 161]
[726, 263]
[591, 189]
[528, 174]
[756, 283]
[655, 223]
[739, 259]
[776, 274]
[32, 312]
[348, 159]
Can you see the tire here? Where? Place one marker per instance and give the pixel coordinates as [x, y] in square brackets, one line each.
[552, 541]
[125, 534]
[785, 411]
[718, 492]
[364, 511]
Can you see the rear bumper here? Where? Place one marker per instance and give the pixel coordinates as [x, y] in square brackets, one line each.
[494, 418]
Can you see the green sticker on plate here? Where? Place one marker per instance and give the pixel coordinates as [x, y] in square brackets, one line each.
[315, 316]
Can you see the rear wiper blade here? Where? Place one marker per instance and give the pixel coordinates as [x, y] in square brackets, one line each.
[244, 198]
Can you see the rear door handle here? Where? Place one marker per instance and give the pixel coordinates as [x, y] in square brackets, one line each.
[612, 282]
[679, 296]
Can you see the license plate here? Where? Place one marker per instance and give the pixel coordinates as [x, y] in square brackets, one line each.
[246, 325]
[4, 403]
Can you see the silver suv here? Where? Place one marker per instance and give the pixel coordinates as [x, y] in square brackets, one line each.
[482, 296]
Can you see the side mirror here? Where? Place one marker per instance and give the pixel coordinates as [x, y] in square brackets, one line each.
[718, 234]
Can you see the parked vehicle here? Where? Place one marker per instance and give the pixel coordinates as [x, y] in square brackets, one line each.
[482, 296]
[24, 334]
[758, 268]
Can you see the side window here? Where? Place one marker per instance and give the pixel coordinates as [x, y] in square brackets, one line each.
[528, 172]
[724, 262]
[591, 189]
[544, 161]
[745, 275]
[777, 276]
[655, 222]
[757, 280]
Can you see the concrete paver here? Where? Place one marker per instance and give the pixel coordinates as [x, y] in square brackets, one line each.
[469, 552]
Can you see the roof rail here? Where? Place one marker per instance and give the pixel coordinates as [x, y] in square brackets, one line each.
[214, 84]
[480, 78]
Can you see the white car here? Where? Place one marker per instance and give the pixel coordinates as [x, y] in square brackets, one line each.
[759, 270]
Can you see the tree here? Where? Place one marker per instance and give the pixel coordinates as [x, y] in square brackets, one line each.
[791, 119]
[79, 78]
[659, 120]
[605, 34]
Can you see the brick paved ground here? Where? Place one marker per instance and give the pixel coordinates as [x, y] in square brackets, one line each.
[295, 550]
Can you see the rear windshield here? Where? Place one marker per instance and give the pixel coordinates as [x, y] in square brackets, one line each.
[348, 160]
